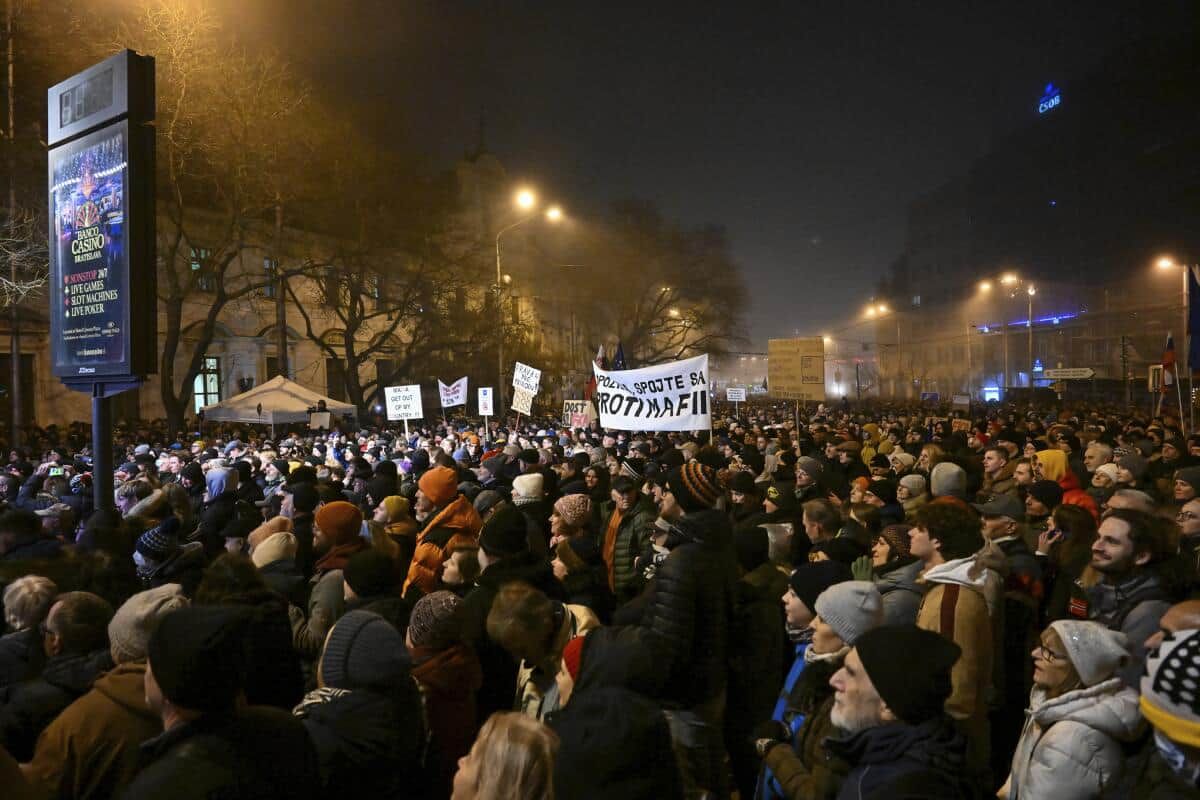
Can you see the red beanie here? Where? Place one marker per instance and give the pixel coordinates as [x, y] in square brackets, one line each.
[440, 485]
[571, 655]
[340, 521]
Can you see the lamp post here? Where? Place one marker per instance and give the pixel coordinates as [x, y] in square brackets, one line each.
[527, 201]
[1166, 263]
[1031, 291]
[879, 311]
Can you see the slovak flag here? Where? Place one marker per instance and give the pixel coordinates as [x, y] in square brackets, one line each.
[600, 361]
[1168, 364]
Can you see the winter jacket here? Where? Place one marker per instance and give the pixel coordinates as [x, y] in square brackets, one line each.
[633, 534]
[537, 691]
[804, 770]
[21, 656]
[90, 751]
[326, 604]
[256, 754]
[393, 608]
[457, 523]
[448, 681]
[1002, 483]
[1056, 468]
[26, 708]
[955, 606]
[901, 595]
[1133, 607]
[274, 676]
[368, 744]
[1070, 747]
[284, 577]
[914, 762]
[589, 587]
[500, 668]
[537, 524]
[692, 610]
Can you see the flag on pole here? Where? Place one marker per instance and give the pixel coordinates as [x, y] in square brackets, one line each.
[1193, 316]
[1168, 364]
[600, 361]
[619, 358]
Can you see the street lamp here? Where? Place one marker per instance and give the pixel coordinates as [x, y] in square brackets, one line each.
[985, 286]
[1031, 291]
[526, 200]
[1166, 263]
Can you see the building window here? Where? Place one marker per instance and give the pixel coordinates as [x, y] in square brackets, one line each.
[335, 378]
[206, 388]
[269, 289]
[200, 266]
[916, 300]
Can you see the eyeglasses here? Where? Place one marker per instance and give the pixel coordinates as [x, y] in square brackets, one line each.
[1049, 655]
[1186, 515]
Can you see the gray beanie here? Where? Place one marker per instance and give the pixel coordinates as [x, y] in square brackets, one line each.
[486, 500]
[948, 479]
[914, 483]
[1096, 651]
[130, 628]
[813, 468]
[364, 651]
[851, 608]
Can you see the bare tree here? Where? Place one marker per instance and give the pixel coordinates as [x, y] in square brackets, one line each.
[23, 247]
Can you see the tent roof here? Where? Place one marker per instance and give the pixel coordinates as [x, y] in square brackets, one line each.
[282, 401]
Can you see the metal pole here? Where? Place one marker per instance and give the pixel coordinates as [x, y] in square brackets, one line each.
[1187, 351]
[500, 337]
[281, 333]
[1029, 359]
[102, 450]
[15, 389]
[1004, 388]
[970, 367]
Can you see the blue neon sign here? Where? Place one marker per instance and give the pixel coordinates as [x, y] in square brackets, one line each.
[1051, 98]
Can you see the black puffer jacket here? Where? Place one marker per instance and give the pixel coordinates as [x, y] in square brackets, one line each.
[21, 656]
[924, 762]
[691, 613]
[27, 708]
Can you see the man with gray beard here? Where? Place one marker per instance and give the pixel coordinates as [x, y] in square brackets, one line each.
[899, 741]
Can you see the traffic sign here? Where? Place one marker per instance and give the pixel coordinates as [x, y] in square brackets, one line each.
[1071, 373]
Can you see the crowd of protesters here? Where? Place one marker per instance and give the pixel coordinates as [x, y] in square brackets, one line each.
[872, 602]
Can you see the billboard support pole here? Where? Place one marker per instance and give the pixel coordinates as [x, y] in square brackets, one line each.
[102, 450]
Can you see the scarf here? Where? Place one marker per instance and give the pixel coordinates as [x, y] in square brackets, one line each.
[610, 547]
[338, 555]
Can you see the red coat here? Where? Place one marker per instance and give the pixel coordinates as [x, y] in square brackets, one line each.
[448, 680]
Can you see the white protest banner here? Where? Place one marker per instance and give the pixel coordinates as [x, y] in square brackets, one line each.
[403, 402]
[522, 400]
[527, 378]
[577, 413]
[485, 401]
[666, 397]
[735, 395]
[455, 394]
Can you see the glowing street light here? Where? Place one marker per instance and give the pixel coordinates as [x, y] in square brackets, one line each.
[985, 286]
[526, 199]
[1008, 279]
[1166, 262]
[674, 312]
[554, 213]
[1032, 290]
[870, 311]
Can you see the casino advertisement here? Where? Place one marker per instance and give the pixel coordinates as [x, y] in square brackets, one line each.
[89, 259]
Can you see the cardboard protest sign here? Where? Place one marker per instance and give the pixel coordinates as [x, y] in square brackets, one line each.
[665, 397]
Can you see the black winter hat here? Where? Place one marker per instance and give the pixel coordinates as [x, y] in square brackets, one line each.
[380, 487]
[504, 533]
[910, 669]
[371, 573]
[1048, 493]
[753, 547]
[809, 580]
[198, 657]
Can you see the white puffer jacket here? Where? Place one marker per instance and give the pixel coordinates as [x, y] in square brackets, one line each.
[1070, 746]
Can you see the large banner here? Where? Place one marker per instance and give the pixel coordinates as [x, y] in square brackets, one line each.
[666, 397]
[796, 369]
[403, 402]
[455, 394]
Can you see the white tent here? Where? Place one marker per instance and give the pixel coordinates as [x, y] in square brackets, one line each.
[279, 401]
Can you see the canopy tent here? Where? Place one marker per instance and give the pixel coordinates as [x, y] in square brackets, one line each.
[279, 401]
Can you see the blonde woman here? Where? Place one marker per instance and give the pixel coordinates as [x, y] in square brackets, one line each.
[512, 759]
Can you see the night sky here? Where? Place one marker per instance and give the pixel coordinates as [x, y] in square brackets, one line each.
[805, 128]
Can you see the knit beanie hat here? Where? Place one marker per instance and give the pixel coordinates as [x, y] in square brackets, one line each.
[1136, 465]
[1048, 493]
[1096, 651]
[753, 546]
[947, 479]
[487, 500]
[694, 486]
[904, 458]
[435, 620]
[370, 573]
[885, 490]
[897, 538]
[528, 487]
[782, 497]
[440, 485]
[363, 651]
[575, 509]
[910, 669]
[571, 656]
[275, 547]
[267, 530]
[340, 521]
[811, 467]
[808, 581]
[504, 533]
[158, 543]
[914, 483]
[130, 628]
[1190, 476]
[395, 506]
[578, 553]
[1171, 688]
[380, 488]
[843, 549]
[282, 466]
[851, 608]
[1107, 470]
[198, 656]
[305, 497]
